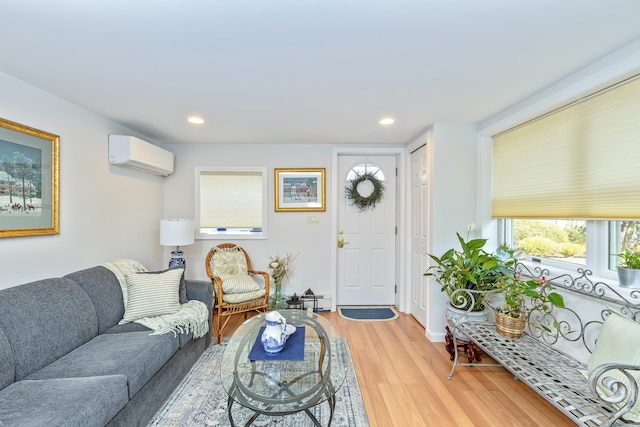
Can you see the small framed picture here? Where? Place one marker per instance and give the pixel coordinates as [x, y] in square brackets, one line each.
[29, 181]
[300, 190]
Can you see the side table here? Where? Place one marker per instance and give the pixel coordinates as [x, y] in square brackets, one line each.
[467, 347]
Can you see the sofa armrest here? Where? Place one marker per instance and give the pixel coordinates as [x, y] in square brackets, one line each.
[202, 290]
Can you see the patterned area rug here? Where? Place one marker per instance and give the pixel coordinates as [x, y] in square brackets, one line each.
[368, 313]
[200, 400]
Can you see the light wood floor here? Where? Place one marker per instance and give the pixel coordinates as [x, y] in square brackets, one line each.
[403, 379]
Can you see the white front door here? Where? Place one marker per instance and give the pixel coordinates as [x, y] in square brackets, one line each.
[419, 230]
[366, 263]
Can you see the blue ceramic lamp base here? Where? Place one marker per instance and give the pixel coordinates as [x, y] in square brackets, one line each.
[177, 259]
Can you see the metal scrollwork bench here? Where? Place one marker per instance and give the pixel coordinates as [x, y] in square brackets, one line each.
[540, 360]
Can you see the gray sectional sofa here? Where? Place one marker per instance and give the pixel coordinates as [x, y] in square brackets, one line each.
[65, 361]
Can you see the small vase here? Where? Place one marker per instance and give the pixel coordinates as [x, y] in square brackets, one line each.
[278, 301]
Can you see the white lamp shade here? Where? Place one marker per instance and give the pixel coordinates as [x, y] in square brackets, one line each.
[176, 232]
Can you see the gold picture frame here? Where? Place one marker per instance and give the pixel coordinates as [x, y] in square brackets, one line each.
[29, 181]
[300, 190]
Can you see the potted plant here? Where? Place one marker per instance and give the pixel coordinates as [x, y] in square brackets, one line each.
[629, 269]
[470, 268]
[521, 297]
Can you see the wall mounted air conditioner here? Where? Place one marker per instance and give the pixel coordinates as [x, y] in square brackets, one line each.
[132, 152]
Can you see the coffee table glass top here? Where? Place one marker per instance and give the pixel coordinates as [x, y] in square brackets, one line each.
[280, 387]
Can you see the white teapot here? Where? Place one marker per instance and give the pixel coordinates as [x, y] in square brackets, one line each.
[275, 333]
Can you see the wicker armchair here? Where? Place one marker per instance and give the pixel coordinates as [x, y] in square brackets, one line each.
[236, 291]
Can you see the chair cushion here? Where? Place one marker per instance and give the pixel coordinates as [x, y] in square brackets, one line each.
[232, 262]
[618, 342]
[152, 294]
[238, 284]
[237, 298]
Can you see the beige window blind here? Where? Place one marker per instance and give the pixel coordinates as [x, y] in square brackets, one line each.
[582, 161]
[231, 199]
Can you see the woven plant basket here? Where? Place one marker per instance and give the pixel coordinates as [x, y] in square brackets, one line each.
[509, 327]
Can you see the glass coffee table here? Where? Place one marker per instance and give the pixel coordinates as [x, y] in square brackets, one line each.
[276, 387]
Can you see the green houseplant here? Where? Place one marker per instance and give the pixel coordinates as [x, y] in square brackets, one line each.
[629, 269]
[470, 268]
[521, 297]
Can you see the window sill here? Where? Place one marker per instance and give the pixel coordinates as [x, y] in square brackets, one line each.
[242, 234]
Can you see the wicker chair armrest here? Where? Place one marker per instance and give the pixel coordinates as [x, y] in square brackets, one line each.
[217, 286]
[265, 276]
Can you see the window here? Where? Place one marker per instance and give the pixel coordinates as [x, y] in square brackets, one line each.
[231, 203]
[362, 168]
[560, 240]
[573, 244]
[573, 163]
[623, 235]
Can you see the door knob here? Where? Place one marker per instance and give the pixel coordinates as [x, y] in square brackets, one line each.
[341, 241]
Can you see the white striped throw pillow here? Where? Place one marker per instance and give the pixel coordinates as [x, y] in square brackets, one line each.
[238, 284]
[152, 294]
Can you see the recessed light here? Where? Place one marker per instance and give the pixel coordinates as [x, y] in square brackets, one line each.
[387, 121]
[195, 120]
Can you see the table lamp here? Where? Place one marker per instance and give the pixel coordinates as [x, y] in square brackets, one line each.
[176, 232]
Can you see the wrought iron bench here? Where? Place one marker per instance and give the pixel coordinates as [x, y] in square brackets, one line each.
[552, 363]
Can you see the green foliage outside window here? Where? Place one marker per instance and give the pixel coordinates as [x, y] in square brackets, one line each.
[629, 235]
[551, 239]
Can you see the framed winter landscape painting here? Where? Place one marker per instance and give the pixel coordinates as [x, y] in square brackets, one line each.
[29, 181]
[301, 190]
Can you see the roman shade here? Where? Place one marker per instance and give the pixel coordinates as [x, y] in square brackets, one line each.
[579, 162]
[231, 199]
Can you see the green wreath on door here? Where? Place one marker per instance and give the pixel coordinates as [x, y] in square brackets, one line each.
[365, 191]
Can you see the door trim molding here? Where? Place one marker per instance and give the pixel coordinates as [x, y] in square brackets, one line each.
[403, 296]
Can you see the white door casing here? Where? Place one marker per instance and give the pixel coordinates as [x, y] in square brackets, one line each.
[419, 233]
[366, 264]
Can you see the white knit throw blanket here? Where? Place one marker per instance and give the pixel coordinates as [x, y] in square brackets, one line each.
[192, 317]
[121, 268]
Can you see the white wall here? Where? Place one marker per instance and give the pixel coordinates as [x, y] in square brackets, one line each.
[453, 166]
[105, 212]
[287, 231]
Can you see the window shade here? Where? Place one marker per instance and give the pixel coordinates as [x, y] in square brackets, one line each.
[581, 162]
[231, 200]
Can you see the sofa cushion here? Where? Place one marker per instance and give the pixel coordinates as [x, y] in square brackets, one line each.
[103, 288]
[128, 327]
[137, 327]
[152, 294]
[68, 402]
[120, 268]
[45, 320]
[136, 355]
[7, 364]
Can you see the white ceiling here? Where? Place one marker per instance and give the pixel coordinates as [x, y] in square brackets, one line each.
[314, 71]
